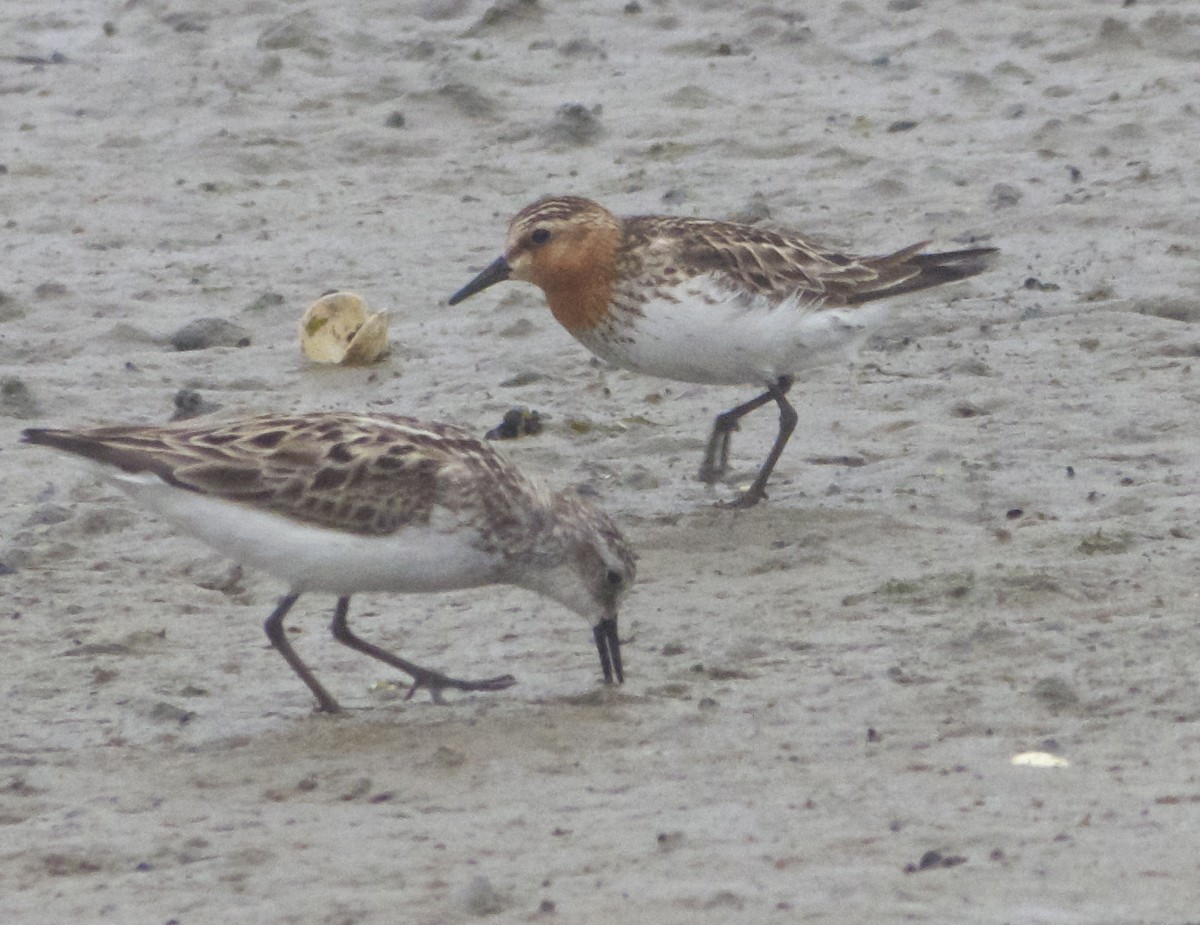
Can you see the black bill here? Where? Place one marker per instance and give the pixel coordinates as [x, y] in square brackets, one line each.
[496, 272]
[609, 647]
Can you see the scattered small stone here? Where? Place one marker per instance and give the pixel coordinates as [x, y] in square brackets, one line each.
[164, 712]
[725, 899]
[16, 400]
[932, 860]
[902, 125]
[1037, 285]
[968, 409]
[903, 6]
[575, 124]
[467, 99]
[481, 898]
[526, 377]
[210, 332]
[547, 907]
[1055, 693]
[669, 841]
[633, 7]
[190, 404]
[517, 422]
[9, 309]
[581, 48]
[395, 119]
[755, 210]
[507, 13]
[1004, 196]
[50, 290]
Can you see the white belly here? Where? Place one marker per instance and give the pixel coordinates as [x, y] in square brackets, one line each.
[312, 558]
[735, 341]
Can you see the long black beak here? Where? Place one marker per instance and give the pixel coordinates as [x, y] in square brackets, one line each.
[496, 272]
[609, 647]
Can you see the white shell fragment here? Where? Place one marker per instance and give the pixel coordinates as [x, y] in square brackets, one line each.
[337, 328]
[1039, 760]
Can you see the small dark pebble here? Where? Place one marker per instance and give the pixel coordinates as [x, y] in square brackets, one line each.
[932, 860]
[395, 119]
[50, 290]
[1014, 513]
[874, 736]
[1076, 174]
[575, 124]
[546, 906]
[668, 840]
[518, 422]
[190, 404]
[1004, 195]
[967, 409]
[633, 7]
[903, 125]
[210, 332]
[1070, 472]
[523, 378]
[16, 400]
[1033, 282]
[6, 569]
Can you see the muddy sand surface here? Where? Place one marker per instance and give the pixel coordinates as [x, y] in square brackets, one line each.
[980, 542]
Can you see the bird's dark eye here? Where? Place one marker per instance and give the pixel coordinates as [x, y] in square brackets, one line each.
[614, 578]
[540, 235]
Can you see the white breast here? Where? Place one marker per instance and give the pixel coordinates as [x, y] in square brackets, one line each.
[712, 336]
[312, 558]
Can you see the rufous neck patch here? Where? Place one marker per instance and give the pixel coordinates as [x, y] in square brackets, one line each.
[577, 274]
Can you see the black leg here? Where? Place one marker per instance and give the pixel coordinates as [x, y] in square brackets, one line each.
[434, 681]
[278, 636]
[608, 644]
[787, 423]
[716, 454]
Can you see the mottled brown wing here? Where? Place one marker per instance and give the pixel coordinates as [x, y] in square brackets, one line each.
[747, 259]
[778, 266]
[370, 474]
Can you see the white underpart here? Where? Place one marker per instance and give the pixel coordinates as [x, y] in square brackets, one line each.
[313, 558]
[716, 337]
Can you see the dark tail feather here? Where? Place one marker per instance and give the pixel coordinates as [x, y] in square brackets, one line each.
[933, 270]
[91, 447]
